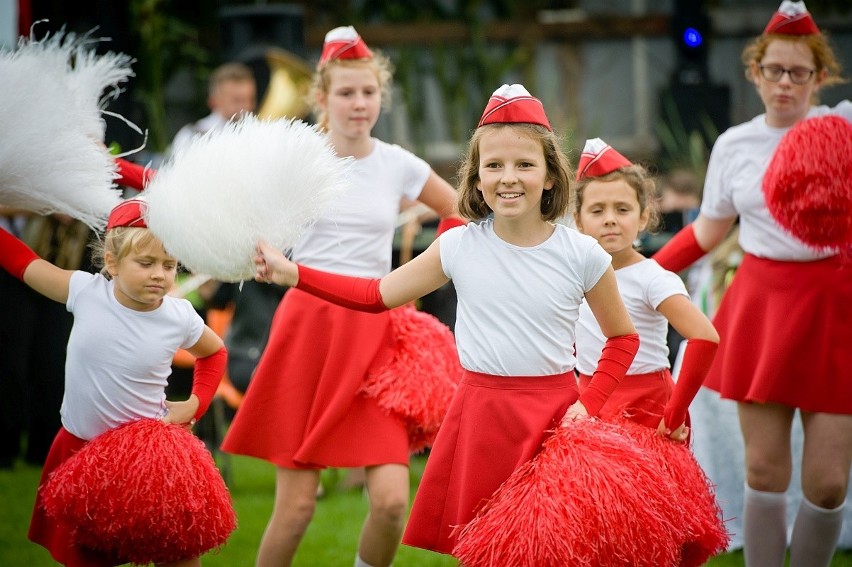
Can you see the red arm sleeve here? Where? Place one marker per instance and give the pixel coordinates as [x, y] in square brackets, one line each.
[206, 375]
[616, 357]
[132, 174]
[446, 223]
[361, 294]
[697, 359]
[680, 252]
[15, 256]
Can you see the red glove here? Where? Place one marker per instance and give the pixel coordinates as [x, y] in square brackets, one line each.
[680, 252]
[206, 376]
[616, 357]
[15, 256]
[446, 223]
[697, 359]
[132, 174]
[361, 294]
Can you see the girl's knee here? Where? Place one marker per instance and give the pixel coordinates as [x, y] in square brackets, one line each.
[390, 509]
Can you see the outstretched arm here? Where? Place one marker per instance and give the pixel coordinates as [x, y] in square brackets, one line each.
[414, 279]
[20, 261]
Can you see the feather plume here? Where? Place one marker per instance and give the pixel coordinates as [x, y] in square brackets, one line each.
[52, 159]
[146, 491]
[250, 180]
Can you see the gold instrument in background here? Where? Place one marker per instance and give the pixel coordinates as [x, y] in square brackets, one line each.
[289, 83]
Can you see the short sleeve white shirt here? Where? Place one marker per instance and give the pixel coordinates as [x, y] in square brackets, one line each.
[733, 186]
[643, 287]
[517, 306]
[118, 360]
[355, 237]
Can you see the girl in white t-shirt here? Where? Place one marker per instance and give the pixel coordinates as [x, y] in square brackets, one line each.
[613, 197]
[520, 279]
[303, 410]
[125, 333]
[786, 318]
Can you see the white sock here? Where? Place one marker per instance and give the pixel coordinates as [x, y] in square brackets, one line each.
[360, 562]
[815, 535]
[764, 528]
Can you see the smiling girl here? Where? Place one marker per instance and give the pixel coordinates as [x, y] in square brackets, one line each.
[520, 280]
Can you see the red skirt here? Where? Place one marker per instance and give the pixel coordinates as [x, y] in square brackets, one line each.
[302, 409]
[493, 426]
[49, 533]
[641, 398]
[785, 329]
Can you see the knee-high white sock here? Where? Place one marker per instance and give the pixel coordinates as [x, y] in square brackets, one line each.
[815, 535]
[764, 528]
[360, 562]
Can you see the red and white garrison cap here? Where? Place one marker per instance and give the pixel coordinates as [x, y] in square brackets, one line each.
[344, 43]
[514, 104]
[792, 18]
[130, 212]
[599, 158]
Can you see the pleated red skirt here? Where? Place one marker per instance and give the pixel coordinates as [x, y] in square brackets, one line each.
[494, 424]
[785, 330]
[641, 398]
[49, 533]
[302, 409]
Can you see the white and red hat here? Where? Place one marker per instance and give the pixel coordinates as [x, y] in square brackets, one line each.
[514, 104]
[130, 212]
[344, 43]
[792, 18]
[599, 158]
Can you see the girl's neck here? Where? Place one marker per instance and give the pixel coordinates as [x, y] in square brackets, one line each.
[625, 258]
[351, 147]
[524, 233]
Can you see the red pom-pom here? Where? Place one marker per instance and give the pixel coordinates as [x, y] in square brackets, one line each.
[807, 184]
[420, 380]
[706, 535]
[591, 497]
[146, 491]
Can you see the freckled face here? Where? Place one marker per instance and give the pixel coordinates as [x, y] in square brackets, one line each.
[512, 173]
[785, 101]
[353, 101]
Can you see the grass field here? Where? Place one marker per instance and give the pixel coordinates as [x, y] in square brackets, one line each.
[330, 541]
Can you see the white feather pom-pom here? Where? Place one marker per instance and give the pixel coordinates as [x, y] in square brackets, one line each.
[51, 95]
[250, 180]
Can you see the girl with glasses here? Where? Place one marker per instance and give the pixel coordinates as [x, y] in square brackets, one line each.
[784, 320]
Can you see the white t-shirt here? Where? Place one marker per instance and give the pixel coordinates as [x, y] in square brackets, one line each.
[355, 237]
[517, 306]
[643, 286]
[184, 136]
[732, 187]
[118, 359]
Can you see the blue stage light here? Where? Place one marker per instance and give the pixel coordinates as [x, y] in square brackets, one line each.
[692, 38]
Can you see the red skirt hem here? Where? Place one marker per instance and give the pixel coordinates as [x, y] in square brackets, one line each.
[784, 328]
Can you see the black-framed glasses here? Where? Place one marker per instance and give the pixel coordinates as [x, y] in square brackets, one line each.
[798, 75]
